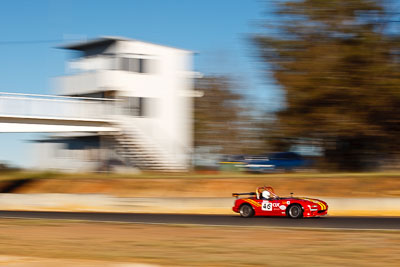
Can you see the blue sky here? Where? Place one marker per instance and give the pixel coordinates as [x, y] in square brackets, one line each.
[217, 30]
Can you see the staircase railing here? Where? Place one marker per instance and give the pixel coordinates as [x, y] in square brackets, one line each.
[137, 147]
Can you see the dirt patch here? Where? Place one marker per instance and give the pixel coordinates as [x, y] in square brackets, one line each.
[196, 246]
[19, 261]
[205, 185]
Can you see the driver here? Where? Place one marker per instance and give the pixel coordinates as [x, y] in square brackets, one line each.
[266, 194]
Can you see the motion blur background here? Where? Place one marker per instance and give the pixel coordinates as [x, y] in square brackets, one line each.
[171, 106]
[319, 78]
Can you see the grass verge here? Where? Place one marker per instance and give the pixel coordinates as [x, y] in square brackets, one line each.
[204, 185]
[197, 246]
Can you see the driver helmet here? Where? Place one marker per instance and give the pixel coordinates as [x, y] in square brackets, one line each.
[266, 194]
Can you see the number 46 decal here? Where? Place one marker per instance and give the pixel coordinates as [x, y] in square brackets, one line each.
[266, 206]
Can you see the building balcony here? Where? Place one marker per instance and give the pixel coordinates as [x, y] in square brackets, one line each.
[106, 80]
[48, 107]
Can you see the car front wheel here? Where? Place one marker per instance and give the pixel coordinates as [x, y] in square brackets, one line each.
[246, 211]
[295, 211]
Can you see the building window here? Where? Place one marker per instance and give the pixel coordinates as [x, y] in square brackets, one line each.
[124, 64]
[133, 65]
[138, 65]
[142, 65]
[135, 106]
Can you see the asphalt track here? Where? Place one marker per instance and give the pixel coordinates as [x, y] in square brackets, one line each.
[378, 223]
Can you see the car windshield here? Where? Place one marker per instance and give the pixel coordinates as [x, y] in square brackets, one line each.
[269, 189]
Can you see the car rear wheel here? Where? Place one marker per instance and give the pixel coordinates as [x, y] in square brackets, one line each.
[246, 211]
[295, 211]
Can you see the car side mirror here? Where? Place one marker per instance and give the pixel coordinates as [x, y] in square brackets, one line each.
[291, 194]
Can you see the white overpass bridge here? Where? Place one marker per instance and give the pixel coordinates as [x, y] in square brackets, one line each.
[48, 113]
[31, 113]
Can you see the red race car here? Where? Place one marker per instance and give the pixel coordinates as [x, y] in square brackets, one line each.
[264, 202]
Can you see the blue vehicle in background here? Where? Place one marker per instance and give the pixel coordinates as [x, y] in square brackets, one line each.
[280, 161]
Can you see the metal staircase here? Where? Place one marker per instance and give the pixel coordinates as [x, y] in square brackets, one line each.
[139, 151]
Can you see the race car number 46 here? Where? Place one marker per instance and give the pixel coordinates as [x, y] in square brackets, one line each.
[267, 206]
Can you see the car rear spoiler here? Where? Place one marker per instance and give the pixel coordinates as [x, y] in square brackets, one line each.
[243, 194]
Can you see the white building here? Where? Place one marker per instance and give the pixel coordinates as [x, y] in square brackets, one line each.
[141, 91]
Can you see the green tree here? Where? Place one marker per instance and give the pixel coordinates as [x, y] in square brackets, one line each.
[338, 63]
[216, 115]
[222, 121]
